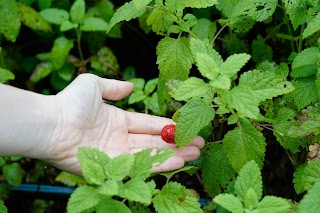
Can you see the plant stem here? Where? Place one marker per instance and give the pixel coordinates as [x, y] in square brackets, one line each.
[78, 31]
[288, 26]
[274, 29]
[300, 38]
[218, 33]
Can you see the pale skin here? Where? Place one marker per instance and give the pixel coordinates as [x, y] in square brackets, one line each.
[51, 128]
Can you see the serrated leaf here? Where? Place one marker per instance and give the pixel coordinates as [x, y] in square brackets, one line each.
[170, 174]
[197, 46]
[243, 99]
[310, 203]
[204, 29]
[9, 20]
[68, 25]
[214, 159]
[159, 20]
[59, 52]
[192, 87]
[77, 11]
[306, 176]
[305, 92]
[89, 153]
[229, 202]
[207, 66]
[41, 71]
[55, 15]
[296, 10]
[306, 63]
[249, 177]
[308, 123]
[174, 60]
[181, 4]
[136, 97]
[243, 144]
[114, 206]
[222, 82]
[272, 204]
[70, 179]
[108, 188]
[265, 85]
[260, 50]
[32, 19]
[144, 161]
[151, 85]
[92, 171]
[84, 198]
[195, 115]
[5, 75]
[128, 11]
[136, 190]
[138, 83]
[94, 24]
[258, 10]
[233, 64]
[13, 173]
[174, 197]
[312, 27]
[3, 208]
[119, 167]
[251, 199]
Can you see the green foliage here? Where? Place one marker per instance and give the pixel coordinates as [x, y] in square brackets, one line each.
[5, 75]
[248, 194]
[3, 208]
[13, 173]
[9, 14]
[310, 202]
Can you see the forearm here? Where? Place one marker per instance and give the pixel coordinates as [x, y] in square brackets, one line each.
[27, 122]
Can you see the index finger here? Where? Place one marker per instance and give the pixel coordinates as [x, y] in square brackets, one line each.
[145, 123]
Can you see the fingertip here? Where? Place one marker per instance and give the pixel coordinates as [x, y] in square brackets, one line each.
[173, 163]
[198, 141]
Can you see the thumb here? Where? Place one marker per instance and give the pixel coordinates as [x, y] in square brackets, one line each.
[114, 89]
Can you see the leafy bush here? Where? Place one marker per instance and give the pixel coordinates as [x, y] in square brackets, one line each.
[242, 74]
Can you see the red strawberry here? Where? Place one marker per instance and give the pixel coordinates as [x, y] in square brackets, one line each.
[167, 133]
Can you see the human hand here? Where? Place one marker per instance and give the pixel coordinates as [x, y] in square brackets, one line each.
[84, 119]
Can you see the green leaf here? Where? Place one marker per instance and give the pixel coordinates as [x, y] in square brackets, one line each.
[312, 27]
[174, 197]
[119, 167]
[306, 63]
[5, 75]
[204, 29]
[13, 173]
[2, 161]
[114, 206]
[144, 160]
[77, 11]
[94, 24]
[181, 4]
[243, 144]
[151, 85]
[215, 159]
[9, 20]
[136, 190]
[265, 85]
[192, 87]
[222, 82]
[136, 97]
[159, 20]
[207, 66]
[128, 11]
[109, 188]
[54, 15]
[106, 62]
[170, 174]
[32, 19]
[244, 100]
[59, 52]
[68, 25]
[83, 199]
[251, 199]
[233, 64]
[296, 10]
[258, 10]
[310, 203]
[229, 202]
[92, 171]
[260, 50]
[70, 179]
[305, 92]
[272, 204]
[93, 154]
[3, 208]
[306, 176]
[194, 115]
[249, 177]
[138, 83]
[41, 71]
[174, 60]
[308, 123]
